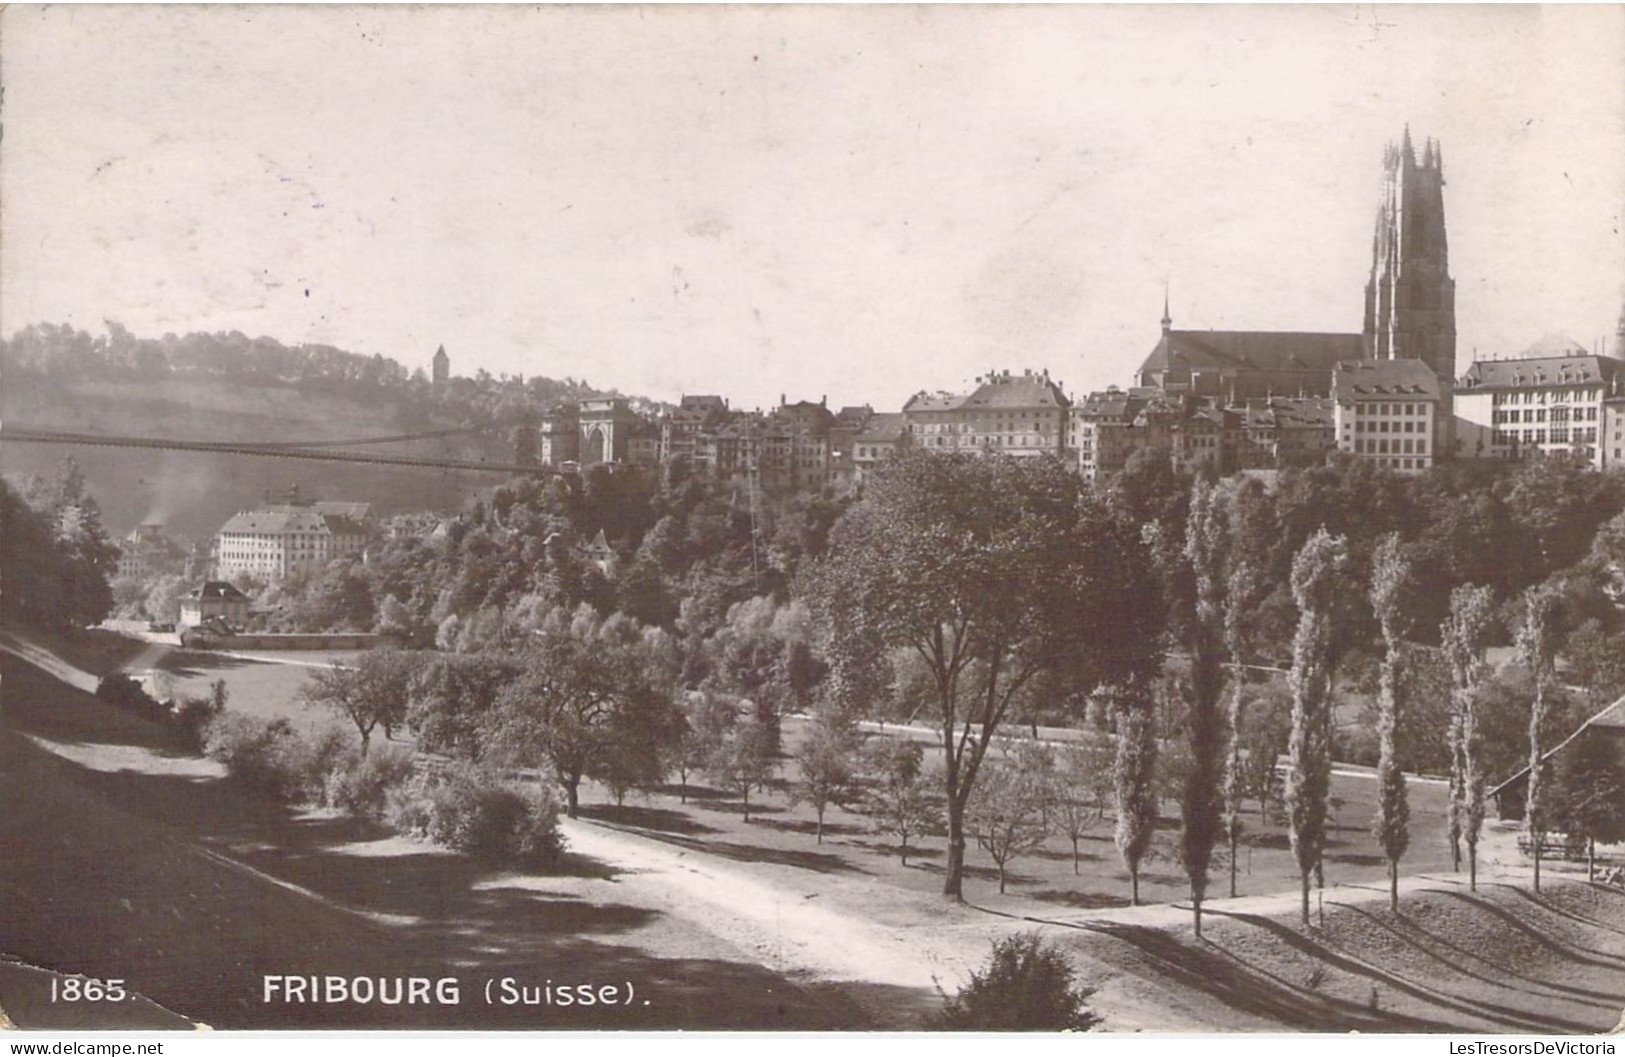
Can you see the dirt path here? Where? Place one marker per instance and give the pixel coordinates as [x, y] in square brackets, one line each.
[786, 922]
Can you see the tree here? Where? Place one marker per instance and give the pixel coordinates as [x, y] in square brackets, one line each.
[591, 697]
[991, 571]
[1591, 794]
[1537, 646]
[1134, 773]
[1242, 595]
[450, 694]
[745, 759]
[1266, 732]
[1027, 985]
[706, 719]
[163, 599]
[1199, 802]
[1316, 578]
[899, 798]
[1008, 813]
[1391, 826]
[1077, 794]
[825, 765]
[370, 693]
[1463, 637]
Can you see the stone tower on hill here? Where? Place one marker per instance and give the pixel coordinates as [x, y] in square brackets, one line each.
[442, 367]
[1410, 301]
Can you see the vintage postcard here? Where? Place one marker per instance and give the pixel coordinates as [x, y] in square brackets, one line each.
[813, 518]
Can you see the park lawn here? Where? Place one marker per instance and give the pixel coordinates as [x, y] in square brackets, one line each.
[782, 831]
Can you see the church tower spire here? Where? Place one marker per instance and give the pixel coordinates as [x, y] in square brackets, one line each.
[1410, 300]
[1167, 319]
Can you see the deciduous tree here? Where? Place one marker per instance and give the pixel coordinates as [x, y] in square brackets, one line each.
[370, 693]
[992, 571]
[899, 799]
[1008, 814]
[825, 765]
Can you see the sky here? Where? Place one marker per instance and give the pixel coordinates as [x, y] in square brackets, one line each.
[851, 203]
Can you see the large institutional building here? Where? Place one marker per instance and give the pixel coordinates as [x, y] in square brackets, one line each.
[271, 541]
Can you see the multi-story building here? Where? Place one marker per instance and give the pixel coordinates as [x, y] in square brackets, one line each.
[1021, 415]
[693, 414]
[882, 438]
[273, 540]
[1385, 412]
[214, 599]
[1286, 431]
[1553, 398]
[148, 552]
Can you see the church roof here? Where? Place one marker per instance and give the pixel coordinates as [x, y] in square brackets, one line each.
[1257, 350]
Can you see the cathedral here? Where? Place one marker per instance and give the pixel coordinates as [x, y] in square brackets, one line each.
[1410, 313]
[1410, 302]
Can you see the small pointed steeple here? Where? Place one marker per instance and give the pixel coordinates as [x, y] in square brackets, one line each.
[1167, 319]
[1405, 148]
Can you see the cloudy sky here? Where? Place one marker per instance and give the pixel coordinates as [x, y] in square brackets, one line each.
[851, 202]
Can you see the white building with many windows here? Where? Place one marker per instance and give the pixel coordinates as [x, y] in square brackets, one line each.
[1023, 415]
[1547, 401]
[271, 541]
[1384, 411]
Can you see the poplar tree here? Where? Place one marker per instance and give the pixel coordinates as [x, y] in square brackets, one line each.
[1537, 647]
[1134, 773]
[1463, 635]
[1391, 827]
[1316, 577]
[1241, 595]
[1199, 799]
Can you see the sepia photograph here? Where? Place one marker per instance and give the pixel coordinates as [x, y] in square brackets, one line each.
[813, 517]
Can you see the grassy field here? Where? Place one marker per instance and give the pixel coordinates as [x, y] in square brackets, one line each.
[123, 855]
[781, 830]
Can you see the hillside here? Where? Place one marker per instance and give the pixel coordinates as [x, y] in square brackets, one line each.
[192, 493]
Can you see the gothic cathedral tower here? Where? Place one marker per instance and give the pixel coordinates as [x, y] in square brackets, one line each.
[1410, 302]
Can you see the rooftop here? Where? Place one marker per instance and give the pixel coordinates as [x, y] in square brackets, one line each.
[1370, 379]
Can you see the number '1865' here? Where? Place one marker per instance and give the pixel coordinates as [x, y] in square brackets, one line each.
[79, 989]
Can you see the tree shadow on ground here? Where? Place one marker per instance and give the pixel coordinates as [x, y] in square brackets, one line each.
[662, 820]
[1545, 903]
[1415, 937]
[1052, 855]
[817, 861]
[1569, 952]
[732, 806]
[894, 851]
[189, 664]
[1357, 859]
[1243, 987]
[209, 888]
[808, 827]
[1325, 953]
[1081, 900]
